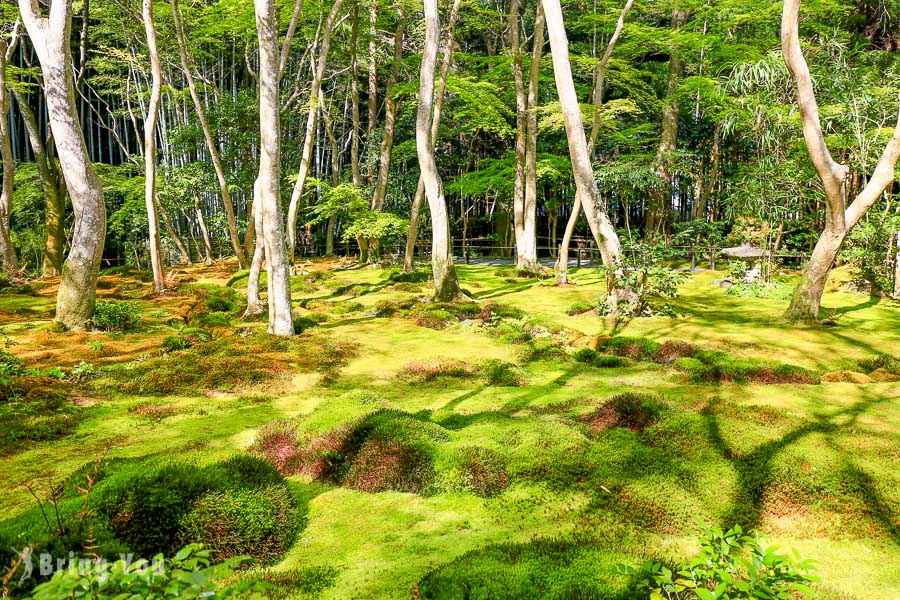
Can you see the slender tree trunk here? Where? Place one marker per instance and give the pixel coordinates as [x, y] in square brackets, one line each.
[373, 87]
[518, 200]
[390, 114]
[562, 260]
[269, 196]
[50, 37]
[446, 286]
[586, 187]
[335, 170]
[354, 97]
[255, 307]
[210, 141]
[250, 236]
[526, 245]
[170, 231]
[204, 231]
[10, 262]
[661, 195]
[839, 218]
[306, 153]
[156, 262]
[435, 126]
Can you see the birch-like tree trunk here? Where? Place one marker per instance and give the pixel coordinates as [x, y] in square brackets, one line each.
[50, 37]
[372, 100]
[306, 153]
[269, 193]
[839, 218]
[435, 126]
[518, 200]
[586, 186]
[355, 174]
[204, 230]
[156, 263]
[562, 260]
[526, 245]
[390, 116]
[8, 260]
[446, 286]
[207, 134]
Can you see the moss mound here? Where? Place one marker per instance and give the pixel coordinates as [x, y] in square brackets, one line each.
[540, 569]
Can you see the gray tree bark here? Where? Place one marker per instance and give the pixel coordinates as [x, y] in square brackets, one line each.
[50, 36]
[306, 153]
[586, 186]
[435, 126]
[390, 115]
[839, 218]
[446, 286]
[269, 193]
[526, 245]
[156, 263]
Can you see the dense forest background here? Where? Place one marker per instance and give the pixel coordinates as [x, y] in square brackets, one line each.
[697, 134]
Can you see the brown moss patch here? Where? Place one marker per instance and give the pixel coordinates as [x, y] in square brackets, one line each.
[673, 349]
[388, 464]
[846, 377]
[153, 410]
[422, 371]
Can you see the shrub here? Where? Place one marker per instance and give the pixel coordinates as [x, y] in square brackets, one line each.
[580, 307]
[10, 366]
[601, 361]
[484, 471]
[435, 319]
[635, 348]
[388, 464]
[116, 316]
[760, 289]
[188, 574]
[501, 373]
[422, 371]
[174, 343]
[256, 522]
[721, 571]
[301, 324]
[889, 363]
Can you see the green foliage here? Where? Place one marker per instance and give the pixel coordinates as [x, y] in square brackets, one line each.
[889, 363]
[116, 316]
[650, 284]
[723, 571]
[601, 361]
[759, 289]
[501, 373]
[174, 343]
[301, 324]
[239, 522]
[189, 574]
[636, 411]
[580, 307]
[10, 366]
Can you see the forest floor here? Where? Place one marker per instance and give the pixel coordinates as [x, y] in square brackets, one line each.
[813, 466]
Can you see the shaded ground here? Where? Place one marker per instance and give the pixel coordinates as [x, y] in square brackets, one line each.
[814, 467]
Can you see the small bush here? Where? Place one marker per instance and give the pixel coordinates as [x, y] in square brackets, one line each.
[116, 316]
[579, 308]
[388, 464]
[174, 343]
[721, 571]
[422, 371]
[635, 348]
[501, 373]
[435, 319]
[253, 522]
[484, 471]
[301, 324]
[889, 363]
[585, 355]
[10, 366]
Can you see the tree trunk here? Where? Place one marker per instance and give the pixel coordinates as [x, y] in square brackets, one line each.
[526, 245]
[335, 170]
[586, 187]
[255, 307]
[390, 110]
[562, 260]
[373, 87]
[207, 134]
[201, 222]
[518, 200]
[50, 37]
[269, 196]
[306, 153]
[839, 218]
[446, 286]
[156, 262]
[661, 194]
[8, 259]
[354, 97]
[170, 230]
[435, 126]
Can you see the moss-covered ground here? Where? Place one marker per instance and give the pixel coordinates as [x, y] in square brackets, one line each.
[814, 467]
